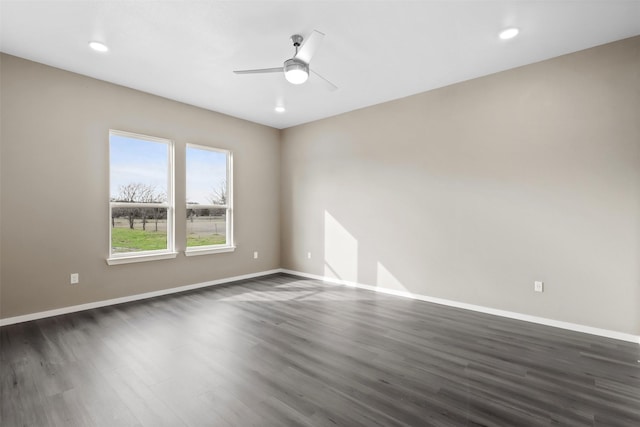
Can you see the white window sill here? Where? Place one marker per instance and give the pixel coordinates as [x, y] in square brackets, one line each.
[128, 259]
[209, 250]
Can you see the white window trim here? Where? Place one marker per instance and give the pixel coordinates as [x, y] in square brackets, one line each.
[229, 245]
[128, 258]
[207, 250]
[170, 252]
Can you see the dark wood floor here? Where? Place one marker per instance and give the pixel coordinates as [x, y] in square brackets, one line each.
[285, 351]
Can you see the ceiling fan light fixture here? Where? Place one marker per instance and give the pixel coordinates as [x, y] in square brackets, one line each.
[295, 71]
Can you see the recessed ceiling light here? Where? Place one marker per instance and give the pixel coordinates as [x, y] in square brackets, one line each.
[509, 33]
[280, 109]
[98, 46]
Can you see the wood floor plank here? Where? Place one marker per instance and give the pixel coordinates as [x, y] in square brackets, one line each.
[281, 350]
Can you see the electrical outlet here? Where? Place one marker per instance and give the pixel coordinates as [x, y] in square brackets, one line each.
[538, 286]
[308, 255]
[255, 255]
[75, 278]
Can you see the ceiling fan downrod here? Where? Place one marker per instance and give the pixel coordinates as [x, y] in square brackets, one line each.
[297, 41]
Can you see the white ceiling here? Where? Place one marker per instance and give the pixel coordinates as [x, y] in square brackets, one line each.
[374, 51]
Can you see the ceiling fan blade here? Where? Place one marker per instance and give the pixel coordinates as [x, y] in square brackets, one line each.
[260, 71]
[327, 83]
[310, 46]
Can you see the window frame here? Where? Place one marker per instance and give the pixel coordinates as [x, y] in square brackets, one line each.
[229, 245]
[169, 205]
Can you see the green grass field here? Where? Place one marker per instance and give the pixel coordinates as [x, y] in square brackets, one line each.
[128, 240]
[216, 239]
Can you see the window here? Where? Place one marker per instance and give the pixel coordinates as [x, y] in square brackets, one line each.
[141, 198]
[209, 200]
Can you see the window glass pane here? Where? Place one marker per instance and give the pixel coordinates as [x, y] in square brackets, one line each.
[138, 229]
[206, 227]
[139, 169]
[206, 176]
[140, 172]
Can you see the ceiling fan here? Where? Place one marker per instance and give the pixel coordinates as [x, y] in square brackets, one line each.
[296, 70]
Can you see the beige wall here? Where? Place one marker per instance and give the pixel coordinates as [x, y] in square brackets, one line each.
[473, 191]
[54, 184]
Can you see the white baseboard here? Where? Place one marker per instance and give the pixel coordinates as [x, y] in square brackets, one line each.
[510, 314]
[137, 297]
